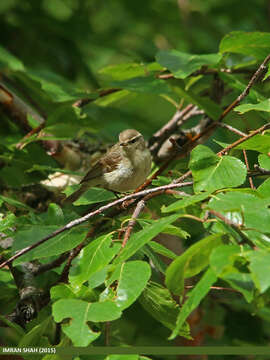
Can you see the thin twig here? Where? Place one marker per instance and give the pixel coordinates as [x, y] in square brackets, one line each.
[140, 206]
[81, 220]
[261, 170]
[248, 169]
[215, 288]
[244, 138]
[169, 128]
[232, 129]
[82, 102]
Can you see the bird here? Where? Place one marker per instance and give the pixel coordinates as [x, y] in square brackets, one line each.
[124, 167]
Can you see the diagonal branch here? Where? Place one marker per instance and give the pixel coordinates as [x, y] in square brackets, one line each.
[81, 220]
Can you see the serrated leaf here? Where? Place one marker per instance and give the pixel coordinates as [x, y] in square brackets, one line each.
[183, 64]
[195, 296]
[248, 43]
[211, 172]
[80, 313]
[95, 257]
[139, 239]
[191, 262]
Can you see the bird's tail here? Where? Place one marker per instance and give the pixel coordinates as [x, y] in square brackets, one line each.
[75, 196]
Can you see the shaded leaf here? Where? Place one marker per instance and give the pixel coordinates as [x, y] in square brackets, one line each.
[191, 262]
[195, 296]
[183, 64]
[158, 302]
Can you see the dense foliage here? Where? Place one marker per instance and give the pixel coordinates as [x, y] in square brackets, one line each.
[192, 268]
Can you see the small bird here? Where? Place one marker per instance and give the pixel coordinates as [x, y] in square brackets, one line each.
[123, 168]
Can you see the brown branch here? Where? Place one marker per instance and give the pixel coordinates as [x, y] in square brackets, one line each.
[140, 206]
[261, 171]
[158, 138]
[232, 129]
[220, 288]
[248, 169]
[81, 220]
[245, 138]
[55, 263]
[72, 254]
[236, 227]
[252, 81]
[82, 102]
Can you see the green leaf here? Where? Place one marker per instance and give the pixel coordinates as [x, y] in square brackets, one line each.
[253, 210]
[264, 188]
[142, 237]
[238, 200]
[206, 104]
[81, 312]
[92, 196]
[211, 172]
[38, 335]
[15, 202]
[149, 84]
[57, 87]
[222, 262]
[55, 246]
[126, 71]
[162, 250]
[191, 262]
[262, 106]
[194, 298]
[95, 256]
[132, 277]
[63, 122]
[182, 64]
[222, 257]
[7, 222]
[260, 268]
[258, 142]
[248, 43]
[9, 60]
[186, 201]
[264, 161]
[122, 357]
[15, 327]
[159, 303]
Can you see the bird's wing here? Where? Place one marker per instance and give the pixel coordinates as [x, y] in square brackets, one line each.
[105, 164]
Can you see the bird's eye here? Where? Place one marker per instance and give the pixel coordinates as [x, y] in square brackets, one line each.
[132, 141]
